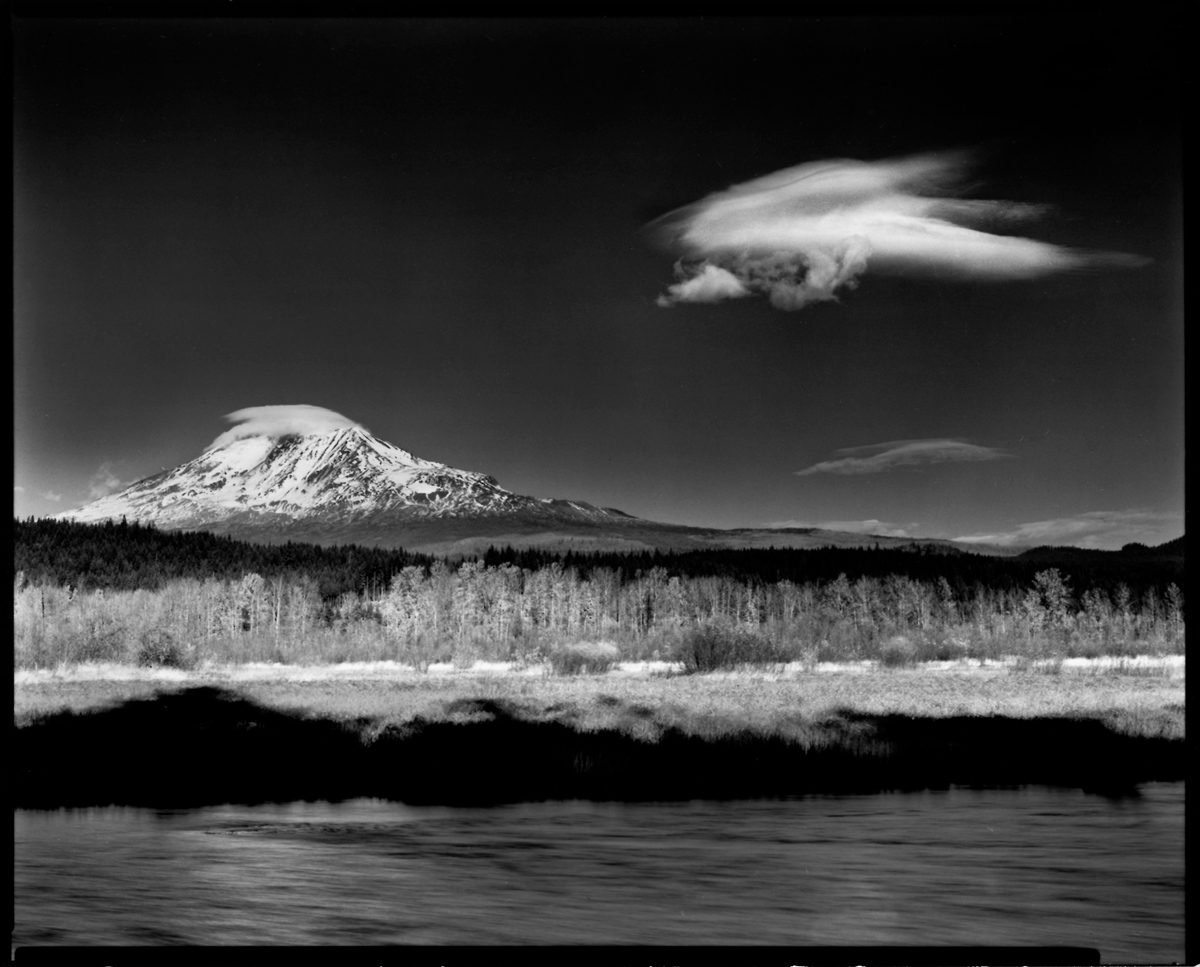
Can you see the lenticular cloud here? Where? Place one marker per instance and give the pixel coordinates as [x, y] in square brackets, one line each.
[881, 457]
[803, 234]
[275, 421]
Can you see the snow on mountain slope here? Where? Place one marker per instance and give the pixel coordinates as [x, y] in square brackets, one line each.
[304, 473]
[330, 475]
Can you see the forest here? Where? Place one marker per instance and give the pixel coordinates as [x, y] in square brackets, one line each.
[129, 557]
[128, 593]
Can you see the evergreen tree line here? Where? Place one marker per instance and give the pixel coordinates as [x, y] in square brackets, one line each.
[129, 557]
[1139, 569]
[472, 611]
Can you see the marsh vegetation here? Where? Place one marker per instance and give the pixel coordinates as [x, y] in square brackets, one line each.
[752, 643]
[555, 681]
[1143, 698]
[574, 622]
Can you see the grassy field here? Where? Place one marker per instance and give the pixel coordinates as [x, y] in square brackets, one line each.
[1139, 697]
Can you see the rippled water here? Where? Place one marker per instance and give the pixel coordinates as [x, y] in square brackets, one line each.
[1031, 866]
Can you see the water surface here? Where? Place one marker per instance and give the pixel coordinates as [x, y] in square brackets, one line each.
[1031, 866]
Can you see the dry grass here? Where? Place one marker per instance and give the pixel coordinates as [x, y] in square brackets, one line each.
[1134, 699]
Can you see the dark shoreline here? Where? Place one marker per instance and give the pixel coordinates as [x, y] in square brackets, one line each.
[205, 746]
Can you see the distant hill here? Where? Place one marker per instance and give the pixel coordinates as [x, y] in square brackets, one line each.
[1169, 551]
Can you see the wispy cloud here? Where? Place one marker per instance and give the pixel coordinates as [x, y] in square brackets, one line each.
[803, 234]
[104, 481]
[274, 421]
[879, 527]
[881, 457]
[710, 283]
[1100, 529]
[18, 489]
[52, 496]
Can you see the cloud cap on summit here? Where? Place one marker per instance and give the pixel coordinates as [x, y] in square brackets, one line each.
[281, 420]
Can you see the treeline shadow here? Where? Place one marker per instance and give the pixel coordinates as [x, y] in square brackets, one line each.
[206, 745]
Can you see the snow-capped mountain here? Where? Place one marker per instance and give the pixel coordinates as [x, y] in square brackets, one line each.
[305, 473]
[337, 476]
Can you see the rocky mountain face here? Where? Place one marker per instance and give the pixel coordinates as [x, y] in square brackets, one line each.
[345, 477]
[343, 485]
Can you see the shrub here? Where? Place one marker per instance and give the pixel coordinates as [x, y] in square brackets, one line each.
[596, 657]
[897, 652]
[715, 647]
[99, 645]
[158, 648]
[423, 650]
[1023, 664]
[942, 647]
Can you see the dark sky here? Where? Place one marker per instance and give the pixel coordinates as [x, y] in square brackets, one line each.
[438, 229]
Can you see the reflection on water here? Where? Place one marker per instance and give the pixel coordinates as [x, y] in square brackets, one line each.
[1009, 867]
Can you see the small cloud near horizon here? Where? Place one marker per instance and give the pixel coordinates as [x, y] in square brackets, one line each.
[803, 234]
[881, 457]
[51, 496]
[871, 527]
[1095, 530]
[104, 481]
[281, 420]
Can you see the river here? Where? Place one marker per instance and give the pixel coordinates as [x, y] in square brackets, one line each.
[1028, 866]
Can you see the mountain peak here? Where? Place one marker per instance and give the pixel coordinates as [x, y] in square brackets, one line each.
[295, 419]
[283, 465]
